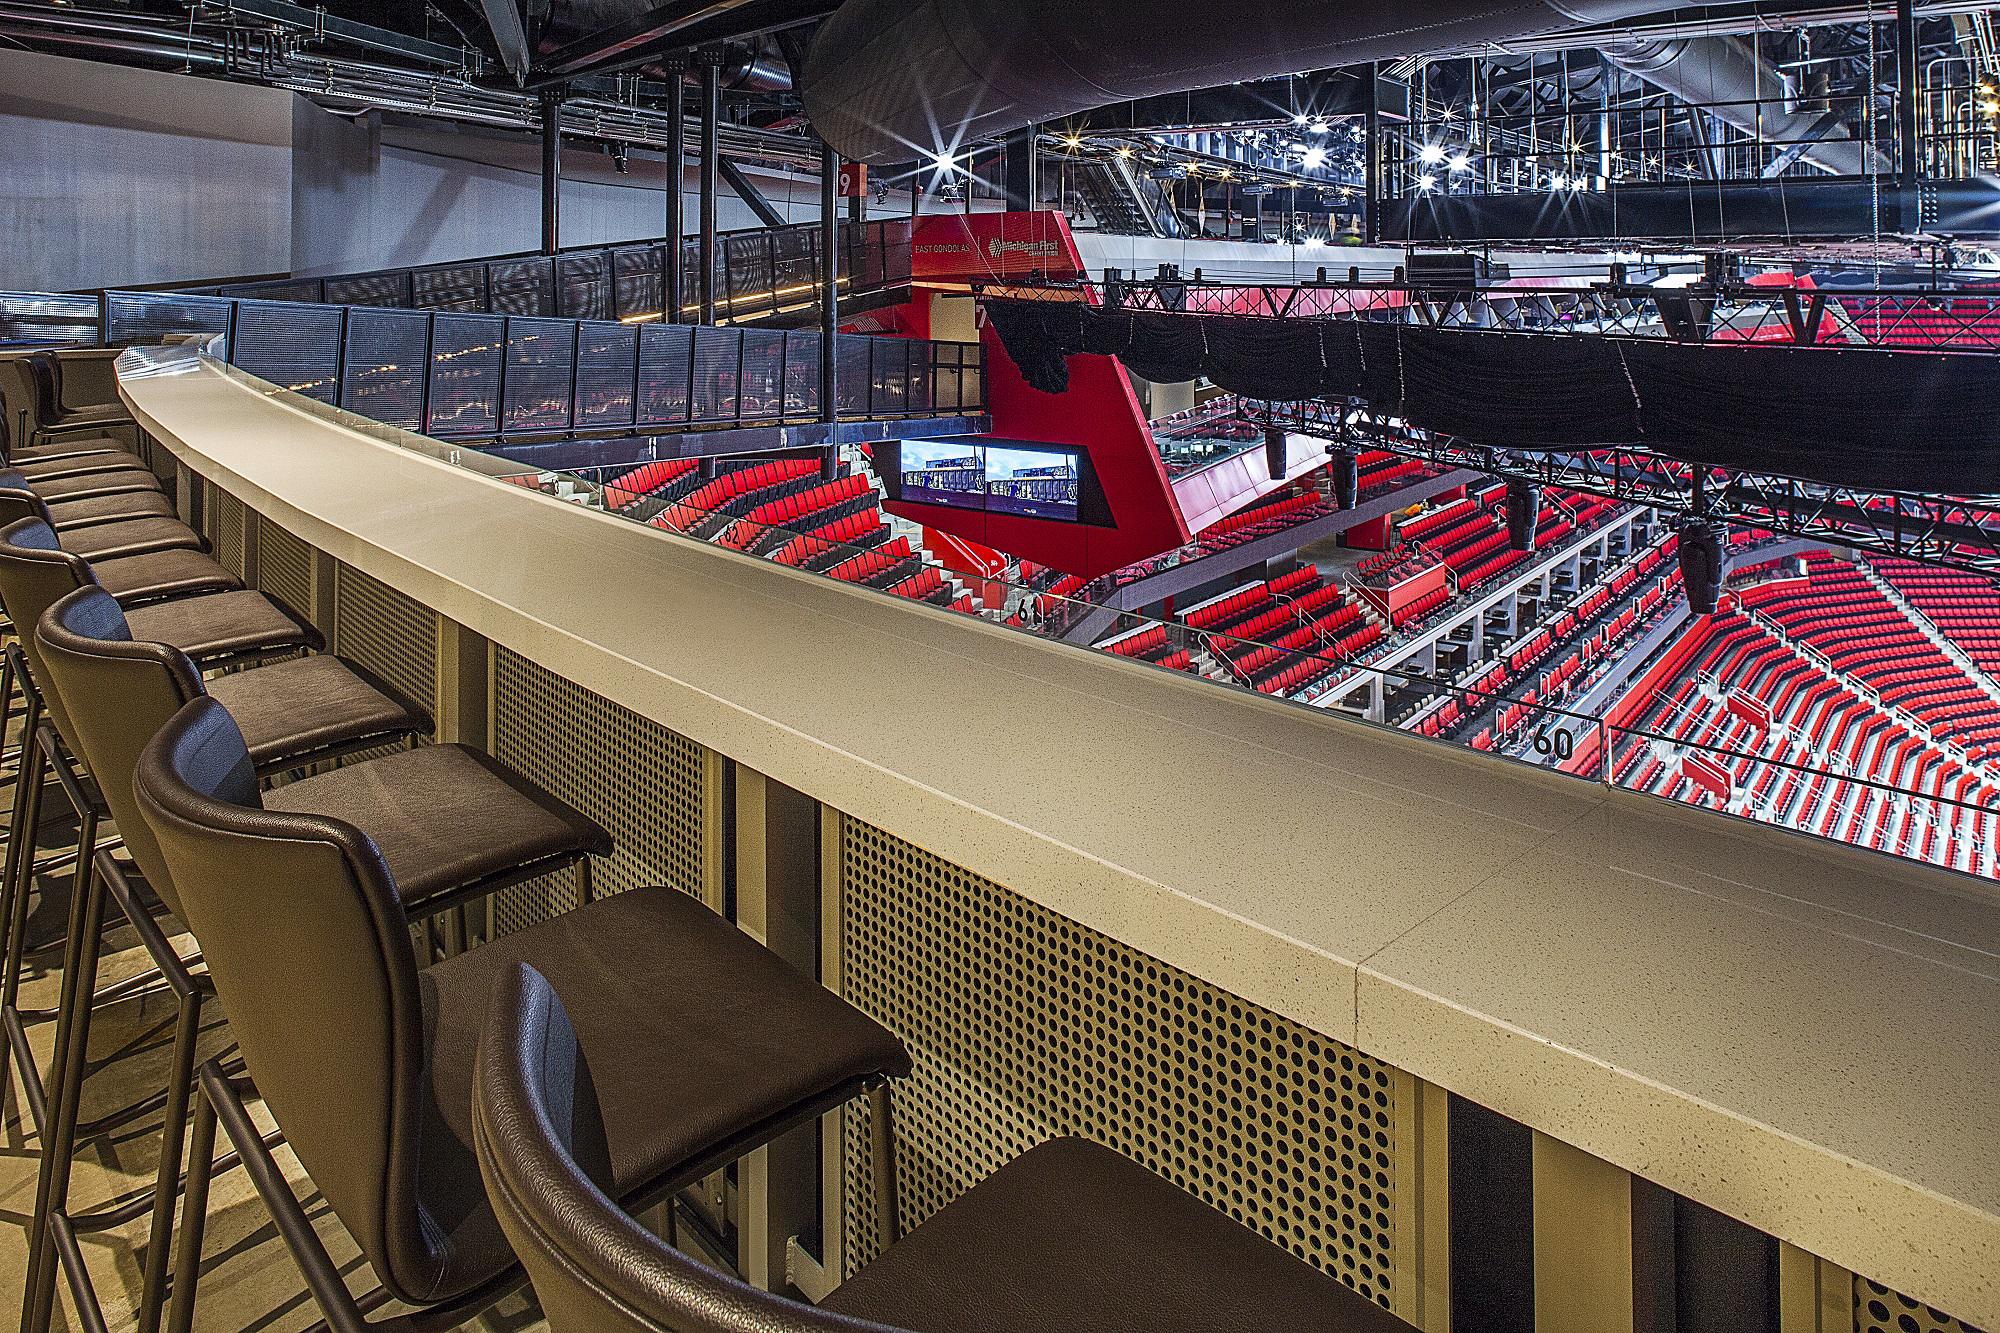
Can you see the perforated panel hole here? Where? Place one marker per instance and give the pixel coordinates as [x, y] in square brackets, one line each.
[1880, 1310]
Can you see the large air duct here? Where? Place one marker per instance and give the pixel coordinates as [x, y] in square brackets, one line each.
[1728, 76]
[891, 80]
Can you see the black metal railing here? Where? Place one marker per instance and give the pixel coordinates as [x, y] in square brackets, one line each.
[756, 274]
[474, 376]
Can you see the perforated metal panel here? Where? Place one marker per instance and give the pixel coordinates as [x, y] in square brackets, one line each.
[648, 786]
[391, 634]
[226, 518]
[1025, 1025]
[1879, 1310]
[284, 568]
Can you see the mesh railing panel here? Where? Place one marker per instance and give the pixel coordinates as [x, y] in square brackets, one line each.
[382, 375]
[294, 346]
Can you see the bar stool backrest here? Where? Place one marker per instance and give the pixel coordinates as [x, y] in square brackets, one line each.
[35, 574]
[45, 374]
[541, 1151]
[309, 949]
[118, 693]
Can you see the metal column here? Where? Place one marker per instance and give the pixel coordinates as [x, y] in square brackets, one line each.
[829, 288]
[551, 170]
[670, 304]
[1906, 115]
[711, 116]
[1371, 201]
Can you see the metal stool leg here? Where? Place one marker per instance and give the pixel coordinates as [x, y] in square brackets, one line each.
[194, 1226]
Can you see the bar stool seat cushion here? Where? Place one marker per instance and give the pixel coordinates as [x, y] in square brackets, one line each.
[310, 704]
[43, 465]
[443, 816]
[1072, 1236]
[694, 1033]
[81, 485]
[138, 536]
[93, 414]
[72, 514]
[134, 579]
[227, 624]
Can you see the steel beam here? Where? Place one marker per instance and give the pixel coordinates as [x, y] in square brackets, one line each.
[674, 27]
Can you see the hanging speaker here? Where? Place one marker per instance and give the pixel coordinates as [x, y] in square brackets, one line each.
[1346, 468]
[1701, 553]
[1524, 514]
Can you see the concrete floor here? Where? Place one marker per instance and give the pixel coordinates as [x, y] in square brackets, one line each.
[248, 1280]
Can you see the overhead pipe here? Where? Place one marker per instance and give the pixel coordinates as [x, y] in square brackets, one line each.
[1726, 77]
[889, 80]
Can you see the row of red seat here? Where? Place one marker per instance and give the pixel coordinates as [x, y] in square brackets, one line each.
[645, 479]
[706, 499]
[1965, 607]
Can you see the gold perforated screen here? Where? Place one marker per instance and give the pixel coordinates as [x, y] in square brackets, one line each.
[285, 568]
[647, 785]
[1025, 1025]
[227, 516]
[1880, 1310]
[390, 633]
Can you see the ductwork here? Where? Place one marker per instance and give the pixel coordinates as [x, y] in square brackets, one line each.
[1726, 74]
[891, 80]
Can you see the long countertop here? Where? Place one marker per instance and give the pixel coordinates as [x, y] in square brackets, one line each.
[1803, 1035]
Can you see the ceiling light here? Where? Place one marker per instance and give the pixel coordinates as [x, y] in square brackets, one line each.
[1315, 158]
[1461, 162]
[1427, 183]
[1431, 154]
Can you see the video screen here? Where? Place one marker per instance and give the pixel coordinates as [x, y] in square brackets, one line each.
[1035, 483]
[945, 473]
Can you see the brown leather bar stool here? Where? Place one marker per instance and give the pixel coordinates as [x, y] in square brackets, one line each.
[223, 629]
[106, 541]
[84, 486]
[708, 1045]
[54, 418]
[81, 507]
[110, 694]
[1068, 1236]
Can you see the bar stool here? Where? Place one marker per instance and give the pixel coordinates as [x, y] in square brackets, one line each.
[223, 629]
[109, 695]
[83, 485]
[54, 418]
[1067, 1236]
[81, 507]
[710, 1045]
[106, 541]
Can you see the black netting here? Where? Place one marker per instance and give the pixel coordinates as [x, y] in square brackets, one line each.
[636, 281]
[522, 286]
[606, 356]
[583, 286]
[383, 373]
[294, 346]
[541, 356]
[747, 262]
[665, 357]
[457, 287]
[465, 374]
[383, 289]
[716, 362]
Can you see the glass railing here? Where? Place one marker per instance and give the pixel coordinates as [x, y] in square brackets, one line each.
[494, 376]
[1949, 818]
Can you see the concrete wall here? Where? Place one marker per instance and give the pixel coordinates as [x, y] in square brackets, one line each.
[111, 176]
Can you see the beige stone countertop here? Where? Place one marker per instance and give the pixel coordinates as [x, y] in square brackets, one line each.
[1803, 1035]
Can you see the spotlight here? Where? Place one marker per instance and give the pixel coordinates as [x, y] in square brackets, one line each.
[1315, 158]
[1427, 183]
[1073, 142]
[1301, 119]
[1461, 162]
[1320, 126]
[1125, 151]
[1576, 183]
[1430, 154]
[941, 161]
[1558, 182]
